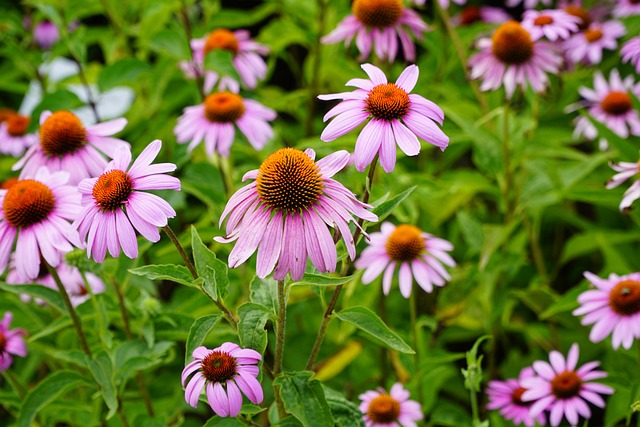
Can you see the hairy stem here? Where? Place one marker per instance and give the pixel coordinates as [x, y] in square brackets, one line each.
[281, 325]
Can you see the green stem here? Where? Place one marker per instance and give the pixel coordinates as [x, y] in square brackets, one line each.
[121, 414]
[96, 307]
[474, 406]
[187, 30]
[413, 313]
[281, 325]
[315, 69]
[508, 172]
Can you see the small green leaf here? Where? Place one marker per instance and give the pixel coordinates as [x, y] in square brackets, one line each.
[264, 292]
[304, 398]
[369, 322]
[213, 271]
[171, 43]
[384, 209]
[176, 273]
[101, 368]
[124, 72]
[320, 280]
[221, 61]
[198, 332]
[253, 318]
[49, 295]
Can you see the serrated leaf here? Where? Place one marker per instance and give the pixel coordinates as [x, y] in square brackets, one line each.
[212, 271]
[384, 209]
[176, 273]
[320, 280]
[49, 295]
[345, 413]
[198, 332]
[101, 368]
[253, 318]
[264, 292]
[369, 322]
[304, 398]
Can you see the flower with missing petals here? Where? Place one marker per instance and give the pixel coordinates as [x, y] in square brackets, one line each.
[14, 138]
[382, 409]
[285, 214]
[11, 342]
[625, 171]
[396, 117]
[226, 372]
[507, 397]
[116, 203]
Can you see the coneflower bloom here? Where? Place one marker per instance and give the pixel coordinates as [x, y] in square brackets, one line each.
[587, 46]
[379, 24]
[226, 373]
[564, 390]
[396, 117]
[11, 342]
[554, 24]
[625, 171]
[14, 138]
[215, 119]
[506, 396]
[382, 409]
[67, 145]
[37, 211]
[528, 4]
[613, 308]
[285, 214]
[116, 203]
[418, 255]
[631, 52]
[471, 14]
[624, 8]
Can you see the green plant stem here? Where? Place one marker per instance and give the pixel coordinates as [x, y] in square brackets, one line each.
[315, 69]
[281, 325]
[96, 307]
[72, 313]
[415, 328]
[121, 414]
[15, 383]
[508, 172]
[194, 273]
[188, 33]
[223, 164]
[85, 83]
[474, 406]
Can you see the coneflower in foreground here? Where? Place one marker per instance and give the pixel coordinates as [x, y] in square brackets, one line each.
[506, 396]
[382, 409]
[116, 202]
[11, 342]
[285, 214]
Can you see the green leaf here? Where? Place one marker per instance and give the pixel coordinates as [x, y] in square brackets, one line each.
[46, 392]
[198, 332]
[304, 398]
[217, 421]
[221, 61]
[384, 209]
[124, 72]
[253, 318]
[369, 322]
[264, 292]
[176, 273]
[212, 271]
[49, 295]
[345, 412]
[171, 43]
[101, 368]
[320, 280]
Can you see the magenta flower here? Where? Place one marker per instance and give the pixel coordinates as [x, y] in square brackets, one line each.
[285, 214]
[213, 122]
[116, 202]
[67, 145]
[587, 46]
[14, 138]
[46, 34]
[631, 52]
[37, 211]
[11, 342]
[224, 373]
[379, 24]
[507, 397]
[562, 389]
[552, 24]
[612, 308]
[512, 58]
[624, 8]
[382, 409]
[392, 110]
[419, 256]
[625, 171]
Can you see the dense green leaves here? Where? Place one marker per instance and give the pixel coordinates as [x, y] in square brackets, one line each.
[304, 398]
[210, 269]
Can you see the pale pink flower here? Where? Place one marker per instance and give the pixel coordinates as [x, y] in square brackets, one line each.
[631, 52]
[507, 397]
[14, 138]
[472, 14]
[624, 8]
[554, 24]
[382, 409]
[11, 342]
[587, 46]
[625, 171]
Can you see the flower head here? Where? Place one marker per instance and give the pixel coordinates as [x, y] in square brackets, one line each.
[67, 145]
[507, 397]
[14, 138]
[613, 308]
[11, 342]
[471, 14]
[116, 202]
[397, 116]
[46, 34]
[564, 390]
[379, 24]
[631, 52]
[624, 8]
[285, 214]
[224, 373]
[551, 24]
[625, 171]
[382, 409]
[587, 46]
[37, 211]
[214, 122]
[418, 255]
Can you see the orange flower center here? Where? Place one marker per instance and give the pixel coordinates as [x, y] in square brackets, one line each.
[289, 180]
[112, 189]
[62, 133]
[516, 396]
[8, 183]
[512, 44]
[405, 243]
[223, 107]
[624, 298]
[3, 341]
[17, 124]
[616, 103]
[5, 113]
[221, 39]
[566, 385]
[27, 202]
[543, 20]
[388, 102]
[383, 409]
[377, 13]
[219, 367]
[470, 14]
[592, 34]
[577, 11]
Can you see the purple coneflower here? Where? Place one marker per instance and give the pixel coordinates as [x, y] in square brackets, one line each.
[213, 122]
[382, 409]
[67, 145]
[419, 256]
[507, 397]
[472, 14]
[625, 171]
[396, 117]
[46, 34]
[116, 202]
[562, 389]
[37, 211]
[552, 24]
[613, 308]
[512, 58]
[11, 342]
[285, 214]
[14, 138]
[624, 8]
[226, 372]
[587, 46]
[379, 23]
[631, 52]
